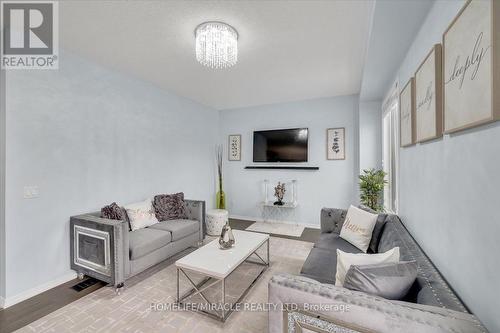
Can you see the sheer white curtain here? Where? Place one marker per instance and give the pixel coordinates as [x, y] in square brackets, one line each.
[390, 149]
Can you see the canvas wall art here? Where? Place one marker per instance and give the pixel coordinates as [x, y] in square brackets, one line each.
[407, 114]
[428, 97]
[234, 150]
[472, 66]
[335, 143]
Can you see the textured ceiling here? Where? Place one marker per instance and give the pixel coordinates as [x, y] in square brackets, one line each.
[288, 50]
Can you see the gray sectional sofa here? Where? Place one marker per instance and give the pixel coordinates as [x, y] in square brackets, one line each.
[430, 306]
[109, 251]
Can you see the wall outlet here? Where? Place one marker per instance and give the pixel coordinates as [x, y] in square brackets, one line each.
[31, 192]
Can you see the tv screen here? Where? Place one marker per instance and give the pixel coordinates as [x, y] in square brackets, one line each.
[284, 145]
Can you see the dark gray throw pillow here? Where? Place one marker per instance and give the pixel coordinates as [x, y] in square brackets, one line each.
[389, 280]
[377, 230]
[169, 206]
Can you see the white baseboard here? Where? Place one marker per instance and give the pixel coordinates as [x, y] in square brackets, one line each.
[260, 219]
[9, 301]
[2, 302]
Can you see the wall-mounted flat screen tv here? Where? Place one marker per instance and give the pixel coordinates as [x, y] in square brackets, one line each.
[283, 145]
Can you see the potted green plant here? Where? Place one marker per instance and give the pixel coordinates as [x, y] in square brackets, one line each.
[371, 185]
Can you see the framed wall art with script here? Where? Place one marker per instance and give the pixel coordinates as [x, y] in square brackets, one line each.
[335, 143]
[471, 54]
[429, 97]
[407, 114]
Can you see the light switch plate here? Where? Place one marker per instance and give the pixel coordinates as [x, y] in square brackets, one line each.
[31, 192]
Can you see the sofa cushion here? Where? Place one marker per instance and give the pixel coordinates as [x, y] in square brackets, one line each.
[391, 281]
[178, 228]
[332, 242]
[320, 265]
[146, 240]
[169, 206]
[358, 227]
[377, 231]
[346, 260]
[141, 214]
[392, 237]
[115, 212]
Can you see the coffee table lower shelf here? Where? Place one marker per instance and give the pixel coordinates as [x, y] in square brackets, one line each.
[199, 288]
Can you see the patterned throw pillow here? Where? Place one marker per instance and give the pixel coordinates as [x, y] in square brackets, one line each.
[169, 206]
[141, 214]
[114, 212]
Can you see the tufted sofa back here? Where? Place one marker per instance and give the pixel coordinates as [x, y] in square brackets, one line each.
[430, 288]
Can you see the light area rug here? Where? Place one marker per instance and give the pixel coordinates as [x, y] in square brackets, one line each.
[132, 311]
[276, 228]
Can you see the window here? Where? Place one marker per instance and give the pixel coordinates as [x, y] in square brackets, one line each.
[390, 148]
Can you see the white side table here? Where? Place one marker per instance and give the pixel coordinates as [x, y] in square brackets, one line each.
[216, 219]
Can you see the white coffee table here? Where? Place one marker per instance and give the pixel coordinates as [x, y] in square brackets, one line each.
[216, 265]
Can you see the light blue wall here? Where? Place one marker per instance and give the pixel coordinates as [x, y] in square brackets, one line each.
[2, 186]
[88, 136]
[331, 186]
[370, 135]
[449, 193]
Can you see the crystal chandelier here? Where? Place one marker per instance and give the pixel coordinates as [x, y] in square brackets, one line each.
[216, 45]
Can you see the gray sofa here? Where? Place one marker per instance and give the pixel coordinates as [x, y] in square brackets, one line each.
[109, 251]
[430, 306]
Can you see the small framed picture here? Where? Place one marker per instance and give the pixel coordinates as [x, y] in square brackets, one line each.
[335, 143]
[428, 97]
[407, 114]
[234, 148]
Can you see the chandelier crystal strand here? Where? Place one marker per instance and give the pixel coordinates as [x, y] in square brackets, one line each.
[216, 45]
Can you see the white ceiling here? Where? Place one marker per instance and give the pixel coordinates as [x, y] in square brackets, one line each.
[395, 24]
[288, 50]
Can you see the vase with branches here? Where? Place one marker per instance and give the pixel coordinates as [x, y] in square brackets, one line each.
[220, 200]
[371, 185]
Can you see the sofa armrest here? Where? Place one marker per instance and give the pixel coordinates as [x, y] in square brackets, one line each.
[332, 219]
[195, 210]
[300, 300]
[120, 234]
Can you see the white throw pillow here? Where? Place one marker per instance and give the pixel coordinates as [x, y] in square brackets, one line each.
[345, 260]
[141, 214]
[358, 227]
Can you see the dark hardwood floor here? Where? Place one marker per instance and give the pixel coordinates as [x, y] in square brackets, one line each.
[309, 234]
[23, 313]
